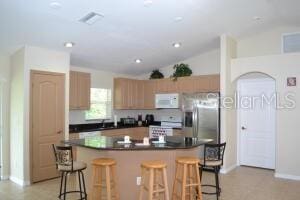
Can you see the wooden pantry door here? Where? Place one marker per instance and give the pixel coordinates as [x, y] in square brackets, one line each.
[47, 122]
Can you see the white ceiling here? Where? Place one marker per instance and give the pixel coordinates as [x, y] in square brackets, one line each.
[130, 30]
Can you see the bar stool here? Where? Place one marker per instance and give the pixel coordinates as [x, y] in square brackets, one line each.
[104, 177]
[187, 175]
[155, 187]
[66, 165]
[213, 161]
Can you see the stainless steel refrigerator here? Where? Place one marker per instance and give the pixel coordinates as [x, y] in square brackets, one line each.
[201, 116]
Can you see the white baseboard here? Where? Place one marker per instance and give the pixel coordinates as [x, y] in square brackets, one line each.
[287, 176]
[4, 177]
[19, 181]
[228, 169]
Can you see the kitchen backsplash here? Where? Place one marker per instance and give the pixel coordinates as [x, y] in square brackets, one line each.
[78, 117]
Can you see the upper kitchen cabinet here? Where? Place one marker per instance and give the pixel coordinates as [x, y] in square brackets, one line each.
[128, 93]
[166, 85]
[214, 83]
[140, 94]
[121, 93]
[149, 94]
[186, 84]
[80, 87]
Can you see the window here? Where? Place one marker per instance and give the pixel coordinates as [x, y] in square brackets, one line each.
[100, 104]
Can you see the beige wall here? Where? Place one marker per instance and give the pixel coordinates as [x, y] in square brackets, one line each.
[202, 64]
[26, 59]
[265, 43]
[17, 126]
[287, 137]
[5, 95]
[228, 116]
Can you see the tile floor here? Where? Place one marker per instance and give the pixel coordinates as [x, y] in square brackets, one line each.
[242, 183]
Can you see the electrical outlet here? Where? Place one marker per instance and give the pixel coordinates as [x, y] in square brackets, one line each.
[138, 180]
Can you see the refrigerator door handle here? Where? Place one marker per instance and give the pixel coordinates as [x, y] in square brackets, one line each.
[195, 117]
[197, 122]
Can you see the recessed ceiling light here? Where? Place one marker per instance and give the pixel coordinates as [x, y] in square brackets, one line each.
[69, 44]
[177, 44]
[148, 3]
[257, 18]
[55, 5]
[178, 19]
[138, 61]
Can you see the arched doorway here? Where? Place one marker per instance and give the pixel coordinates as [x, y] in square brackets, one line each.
[256, 120]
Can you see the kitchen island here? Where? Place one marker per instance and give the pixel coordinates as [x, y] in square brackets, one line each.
[130, 156]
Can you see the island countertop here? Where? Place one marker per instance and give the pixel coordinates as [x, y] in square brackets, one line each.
[111, 143]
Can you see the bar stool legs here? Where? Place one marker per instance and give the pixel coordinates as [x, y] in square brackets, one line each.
[187, 179]
[104, 178]
[217, 186]
[155, 188]
[63, 185]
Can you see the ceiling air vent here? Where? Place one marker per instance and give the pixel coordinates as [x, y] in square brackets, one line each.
[91, 18]
[291, 42]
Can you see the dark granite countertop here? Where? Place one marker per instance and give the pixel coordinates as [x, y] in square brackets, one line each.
[111, 143]
[77, 128]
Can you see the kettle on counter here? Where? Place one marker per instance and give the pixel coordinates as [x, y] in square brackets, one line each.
[149, 119]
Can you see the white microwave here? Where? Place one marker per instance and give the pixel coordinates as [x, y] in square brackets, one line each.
[167, 101]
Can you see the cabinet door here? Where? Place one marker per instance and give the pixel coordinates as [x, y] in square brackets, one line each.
[84, 89]
[122, 92]
[132, 94]
[149, 94]
[140, 94]
[201, 84]
[166, 85]
[186, 84]
[214, 83]
[118, 99]
[73, 90]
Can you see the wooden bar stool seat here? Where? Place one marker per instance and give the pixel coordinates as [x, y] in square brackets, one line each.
[187, 179]
[157, 185]
[104, 179]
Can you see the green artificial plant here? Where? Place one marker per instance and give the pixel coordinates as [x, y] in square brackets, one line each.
[181, 70]
[156, 74]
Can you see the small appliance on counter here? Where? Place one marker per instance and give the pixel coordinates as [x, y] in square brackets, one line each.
[149, 119]
[128, 121]
[140, 120]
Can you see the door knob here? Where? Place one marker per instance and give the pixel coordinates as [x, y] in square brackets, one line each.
[243, 128]
[59, 132]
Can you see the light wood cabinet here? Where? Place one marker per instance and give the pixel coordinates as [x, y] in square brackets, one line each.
[137, 133]
[128, 93]
[166, 85]
[149, 94]
[214, 83]
[80, 87]
[140, 94]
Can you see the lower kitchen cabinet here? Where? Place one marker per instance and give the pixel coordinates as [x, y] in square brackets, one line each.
[137, 133]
